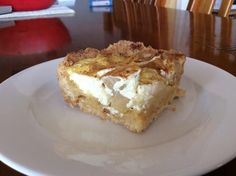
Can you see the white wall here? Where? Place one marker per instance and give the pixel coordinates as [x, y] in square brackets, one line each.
[217, 4]
[182, 4]
[69, 3]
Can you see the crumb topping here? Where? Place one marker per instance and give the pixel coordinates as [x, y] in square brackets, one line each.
[125, 58]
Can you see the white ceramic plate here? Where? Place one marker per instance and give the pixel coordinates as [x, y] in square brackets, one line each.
[41, 135]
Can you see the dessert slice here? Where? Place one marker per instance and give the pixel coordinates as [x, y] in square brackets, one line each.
[127, 83]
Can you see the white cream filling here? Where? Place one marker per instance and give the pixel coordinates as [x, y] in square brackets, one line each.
[138, 95]
[104, 71]
[162, 72]
[143, 94]
[92, 86]
[127, 87]
[114, 111]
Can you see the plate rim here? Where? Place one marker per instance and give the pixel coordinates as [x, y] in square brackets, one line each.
[28, 171]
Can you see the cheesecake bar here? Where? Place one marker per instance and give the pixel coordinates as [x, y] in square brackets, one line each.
[127, 83]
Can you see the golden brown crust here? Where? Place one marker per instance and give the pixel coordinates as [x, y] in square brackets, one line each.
[126, 57]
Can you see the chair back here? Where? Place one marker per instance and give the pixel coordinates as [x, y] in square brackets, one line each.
[225, 8]
[201, 6]
[160, 3]
[166, 3]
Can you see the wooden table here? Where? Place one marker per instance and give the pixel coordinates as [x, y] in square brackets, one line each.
[205, 37]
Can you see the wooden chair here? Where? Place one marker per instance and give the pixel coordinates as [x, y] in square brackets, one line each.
[225, 8]
[201, 6]
[206, 6]
[161, 3]
[166, 3]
